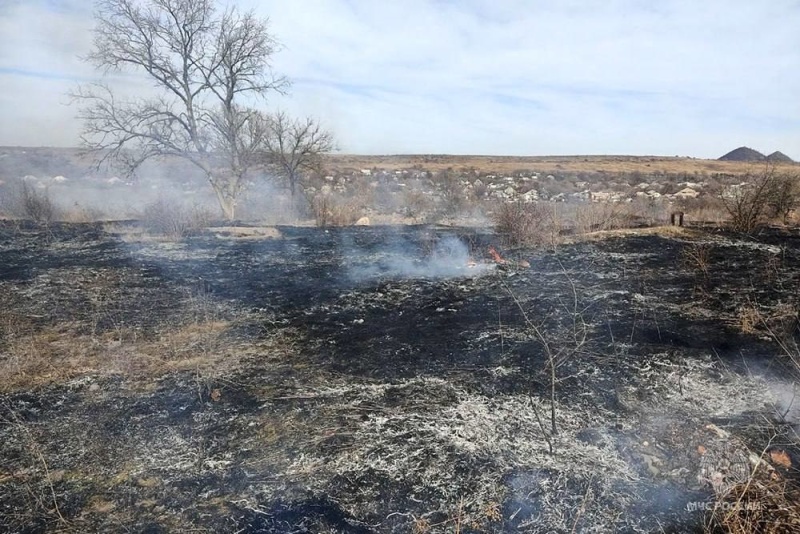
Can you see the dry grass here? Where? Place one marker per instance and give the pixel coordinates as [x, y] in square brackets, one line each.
[55, 354]
[547, 164]
[81, 214]
[696, 257]
[663, 231]
[765, 503]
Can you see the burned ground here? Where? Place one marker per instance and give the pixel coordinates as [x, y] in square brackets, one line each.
[369, 380]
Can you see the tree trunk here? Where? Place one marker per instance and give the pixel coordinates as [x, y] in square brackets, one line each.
[226, 204]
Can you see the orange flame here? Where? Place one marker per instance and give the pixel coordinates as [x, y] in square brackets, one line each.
[496, 255]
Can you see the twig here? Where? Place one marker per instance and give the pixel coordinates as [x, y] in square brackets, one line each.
[547, 438]
[458, 517]
[583, 505]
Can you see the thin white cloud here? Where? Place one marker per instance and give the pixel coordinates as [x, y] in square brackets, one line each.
[512, 77]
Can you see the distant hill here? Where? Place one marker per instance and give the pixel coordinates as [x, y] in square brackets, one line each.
[743, 153]
[780, 157]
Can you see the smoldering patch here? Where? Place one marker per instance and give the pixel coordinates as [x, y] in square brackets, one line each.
[449, 257]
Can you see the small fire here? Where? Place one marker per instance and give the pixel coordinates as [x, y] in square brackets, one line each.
[496, 255]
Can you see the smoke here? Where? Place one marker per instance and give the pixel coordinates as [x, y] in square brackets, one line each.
[76, 188]
[787, 399]
[449, 257]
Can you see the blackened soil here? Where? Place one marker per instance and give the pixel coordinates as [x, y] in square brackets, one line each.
[353, 334]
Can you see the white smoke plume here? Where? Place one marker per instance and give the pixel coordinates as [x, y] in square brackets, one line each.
[449, 258]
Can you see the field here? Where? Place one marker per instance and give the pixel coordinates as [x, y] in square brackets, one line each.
[550, 164]
[396, 379]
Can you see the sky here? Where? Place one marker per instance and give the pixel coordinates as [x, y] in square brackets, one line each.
[502, 77]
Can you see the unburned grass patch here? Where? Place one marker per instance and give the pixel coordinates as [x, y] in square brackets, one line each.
[766, 502]
[56, 354]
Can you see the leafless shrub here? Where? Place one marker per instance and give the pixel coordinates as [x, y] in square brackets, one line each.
[528, 224]
[706, 208]
[37, 204]
[759, 197]
[559, 343]
[173, 220]
[25, 201]
[454, 198]
[783, 197]
[598, 216]
[417, 204]
[480, 190]
[331, 210]
[779, 323]
[647, 211]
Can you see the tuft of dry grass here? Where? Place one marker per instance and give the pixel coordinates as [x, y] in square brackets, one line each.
[765, 503]
[748, 319]
[696, 257]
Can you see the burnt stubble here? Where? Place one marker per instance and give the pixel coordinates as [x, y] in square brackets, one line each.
[364, 380]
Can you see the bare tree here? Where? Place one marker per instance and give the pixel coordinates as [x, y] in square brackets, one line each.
[202, 63]
[295, 146]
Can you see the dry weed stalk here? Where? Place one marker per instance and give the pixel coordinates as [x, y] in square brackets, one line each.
[697, 257]
[33, 446]
[766, 502]
[556, 350]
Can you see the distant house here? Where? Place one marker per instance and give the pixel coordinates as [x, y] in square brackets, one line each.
[605, 196]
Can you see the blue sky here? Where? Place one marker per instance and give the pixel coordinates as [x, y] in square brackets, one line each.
[474, 77]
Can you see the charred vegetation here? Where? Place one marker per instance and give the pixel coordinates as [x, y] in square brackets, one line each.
[394, 379]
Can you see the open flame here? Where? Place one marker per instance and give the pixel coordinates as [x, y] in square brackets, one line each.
[496, 255]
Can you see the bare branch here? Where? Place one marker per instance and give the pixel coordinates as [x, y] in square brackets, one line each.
[295, 146]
